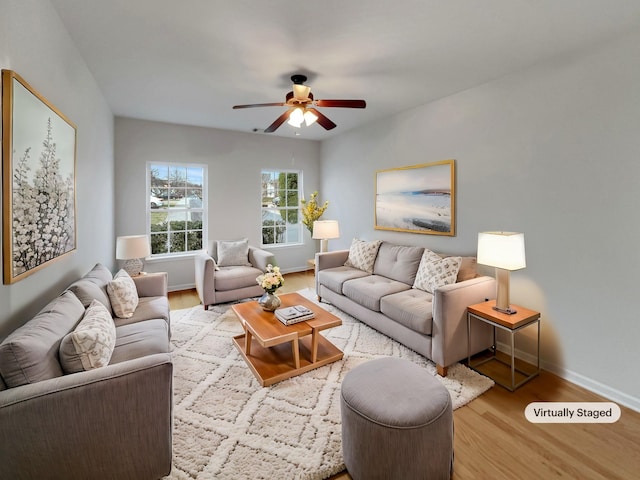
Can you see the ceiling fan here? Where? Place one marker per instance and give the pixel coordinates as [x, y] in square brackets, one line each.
[301, 107]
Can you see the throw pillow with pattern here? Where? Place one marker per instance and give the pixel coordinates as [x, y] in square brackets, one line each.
[123, 295]
[435, 271]
[362, 254]
[91, 343]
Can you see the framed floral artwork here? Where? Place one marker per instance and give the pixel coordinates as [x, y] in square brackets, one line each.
[38, 180]
[417, 199]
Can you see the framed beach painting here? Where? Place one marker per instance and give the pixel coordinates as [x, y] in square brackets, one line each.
[417, 199]
[38, 180]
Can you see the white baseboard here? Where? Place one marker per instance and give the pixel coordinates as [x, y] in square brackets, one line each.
[176, 288]
[585, 382]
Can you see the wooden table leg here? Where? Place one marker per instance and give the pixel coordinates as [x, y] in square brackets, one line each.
[296, 352]
[247, 342]
[314, 345]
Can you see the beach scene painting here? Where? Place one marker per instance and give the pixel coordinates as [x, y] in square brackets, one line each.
[417, 199]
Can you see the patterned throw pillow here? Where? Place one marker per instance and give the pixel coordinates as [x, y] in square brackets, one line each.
[232, 254]
[435, 271]
[362, 255]
[123, 295]
[92, 342]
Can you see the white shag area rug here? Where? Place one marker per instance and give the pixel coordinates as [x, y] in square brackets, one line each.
[226, 426]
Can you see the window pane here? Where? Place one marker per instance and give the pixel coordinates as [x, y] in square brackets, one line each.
[159, 243]
[194, 240]
[177, 208]
[280, 201]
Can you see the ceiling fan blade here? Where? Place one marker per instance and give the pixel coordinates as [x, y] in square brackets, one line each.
[341, 103]
[322, 119]
[279, 121]
[253, 105]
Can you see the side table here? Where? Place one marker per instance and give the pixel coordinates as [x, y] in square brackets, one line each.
[511, 324]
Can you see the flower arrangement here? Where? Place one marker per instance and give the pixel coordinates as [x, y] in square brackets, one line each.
[311, 211]
[271, 280]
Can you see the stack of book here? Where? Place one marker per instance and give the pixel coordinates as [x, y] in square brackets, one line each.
[295, 314]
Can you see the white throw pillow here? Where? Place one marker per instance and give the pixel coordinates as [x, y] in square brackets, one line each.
[435, 271]
[233, 254]
[123, 295]
[91, 343]
[362, 255]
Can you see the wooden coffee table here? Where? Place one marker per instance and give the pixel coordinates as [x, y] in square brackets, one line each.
[274, 351]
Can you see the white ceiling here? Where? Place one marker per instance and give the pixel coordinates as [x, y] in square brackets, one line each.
[190, 61]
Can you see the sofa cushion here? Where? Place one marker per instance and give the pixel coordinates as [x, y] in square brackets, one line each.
[398, 262]
[234, 253]
[367, 291]
[91, 343]
[149, 308]
[334, 278]
[412, 308]
[140, 339]
[435, 271]
[362, 255]
[123, 295]
[30, 353]
[93, 285]
[468, 269]
[232, 278]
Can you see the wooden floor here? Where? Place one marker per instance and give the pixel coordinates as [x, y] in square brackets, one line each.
[493, 439]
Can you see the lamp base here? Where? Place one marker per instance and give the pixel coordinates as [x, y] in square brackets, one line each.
[502, 292]
[133, 267]
[507, 311]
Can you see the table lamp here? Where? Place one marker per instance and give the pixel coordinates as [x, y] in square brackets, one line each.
[132, 249]
[325, 230]
[505, 252]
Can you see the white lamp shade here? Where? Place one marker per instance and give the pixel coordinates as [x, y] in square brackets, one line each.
[296, 118]
[132, 246]
[325, 229]
[502, 250]
[310, 117]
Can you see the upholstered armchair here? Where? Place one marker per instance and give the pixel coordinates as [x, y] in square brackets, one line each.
[228, 271]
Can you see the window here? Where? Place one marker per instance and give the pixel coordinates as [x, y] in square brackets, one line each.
[177, 207]
[281, 207]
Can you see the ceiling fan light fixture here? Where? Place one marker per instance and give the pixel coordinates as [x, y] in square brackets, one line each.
[310, 118]
[301, 92]
[296, 118]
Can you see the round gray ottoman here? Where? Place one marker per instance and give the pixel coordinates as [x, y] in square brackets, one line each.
[397, 422]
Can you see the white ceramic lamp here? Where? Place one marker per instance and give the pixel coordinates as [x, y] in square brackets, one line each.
[505, 252]
[132, 249]
[325, 230]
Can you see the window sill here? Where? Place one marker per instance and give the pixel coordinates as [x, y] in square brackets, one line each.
[173, 258]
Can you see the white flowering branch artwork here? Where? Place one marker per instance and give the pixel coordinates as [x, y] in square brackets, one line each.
[42, 211]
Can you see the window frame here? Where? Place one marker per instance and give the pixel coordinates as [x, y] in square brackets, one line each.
[203, 209]
[298, 225]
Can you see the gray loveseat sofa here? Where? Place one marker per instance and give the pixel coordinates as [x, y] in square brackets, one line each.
[433, 324]
[111, 422]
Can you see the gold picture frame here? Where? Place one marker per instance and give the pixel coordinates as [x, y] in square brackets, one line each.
[38, 180]
[417, 199]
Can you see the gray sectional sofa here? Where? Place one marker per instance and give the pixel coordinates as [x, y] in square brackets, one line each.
[433, 324]
[114, 421]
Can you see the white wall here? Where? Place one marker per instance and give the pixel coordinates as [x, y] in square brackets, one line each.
[234, 163]
[35, 44]
[553, 152]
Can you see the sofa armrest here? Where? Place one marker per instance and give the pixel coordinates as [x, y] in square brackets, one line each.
[333, 259]
[449, 333]
[205, 267]
[114, 422]
[261, 258]
[152, 284]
